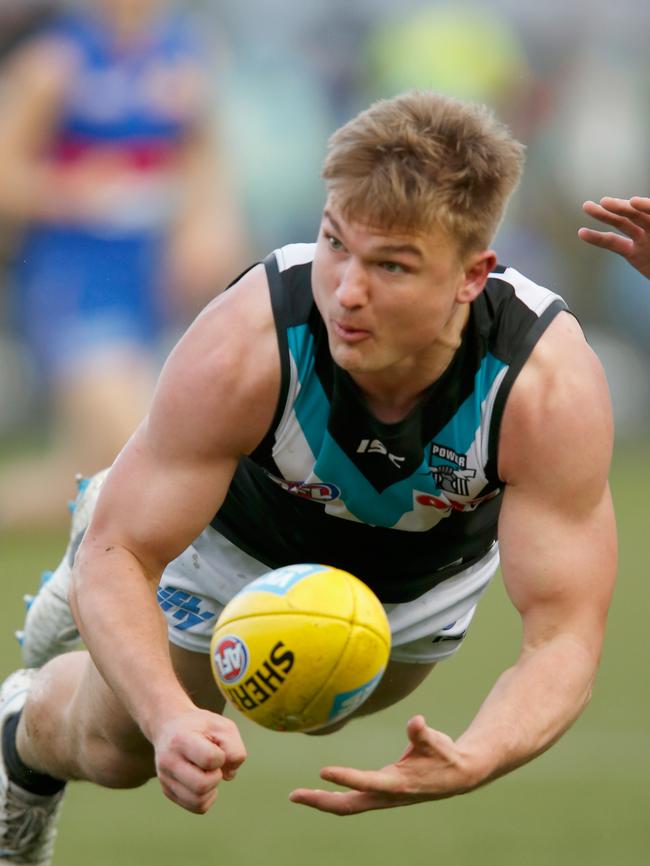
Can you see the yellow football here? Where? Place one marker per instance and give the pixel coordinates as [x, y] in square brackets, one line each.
[300, 647]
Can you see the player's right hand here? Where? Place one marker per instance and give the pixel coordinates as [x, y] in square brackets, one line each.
[194, 752]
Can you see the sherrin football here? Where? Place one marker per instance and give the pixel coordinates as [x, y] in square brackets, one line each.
[300, 647]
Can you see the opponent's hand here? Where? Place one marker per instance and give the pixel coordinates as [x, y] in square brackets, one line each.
[194, 752]
[629, 216]
[431, 768]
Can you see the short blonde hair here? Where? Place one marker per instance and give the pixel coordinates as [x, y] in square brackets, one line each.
[422, 160]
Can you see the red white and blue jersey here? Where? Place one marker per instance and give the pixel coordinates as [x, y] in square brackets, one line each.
[402, 505]
[127, 111]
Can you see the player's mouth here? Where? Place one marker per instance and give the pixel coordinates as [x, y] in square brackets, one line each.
[349, 334]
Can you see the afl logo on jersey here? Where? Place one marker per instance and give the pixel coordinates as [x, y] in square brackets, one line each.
[231, 659]
[316, 491]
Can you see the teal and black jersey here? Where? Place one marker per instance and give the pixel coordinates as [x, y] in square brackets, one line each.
[403, 505]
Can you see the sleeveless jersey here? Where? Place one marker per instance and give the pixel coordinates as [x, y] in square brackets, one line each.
[402, 505]
[129, 110]
[125, 116]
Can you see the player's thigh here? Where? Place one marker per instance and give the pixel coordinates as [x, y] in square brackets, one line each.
[103, 712]
[108, 738]
[97, 712]
[398, 681]
[194, 672]
[97, 702]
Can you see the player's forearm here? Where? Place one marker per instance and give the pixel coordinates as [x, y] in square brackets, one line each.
[530, 706]
[123, 628]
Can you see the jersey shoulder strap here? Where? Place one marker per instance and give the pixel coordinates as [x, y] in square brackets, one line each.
[513, 312]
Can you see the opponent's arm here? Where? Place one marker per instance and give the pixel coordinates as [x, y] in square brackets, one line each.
[214, 402]
[631, 217]
[208, 240]
[558, 549]
[31, 99]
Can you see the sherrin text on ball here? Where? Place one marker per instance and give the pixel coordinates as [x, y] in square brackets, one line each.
[301, 647]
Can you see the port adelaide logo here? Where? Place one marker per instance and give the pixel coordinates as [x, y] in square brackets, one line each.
[453, 476]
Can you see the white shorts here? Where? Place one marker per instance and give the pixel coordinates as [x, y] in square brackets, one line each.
[195, 587]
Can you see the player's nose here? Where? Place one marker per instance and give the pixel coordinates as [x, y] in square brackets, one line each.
[352, 288]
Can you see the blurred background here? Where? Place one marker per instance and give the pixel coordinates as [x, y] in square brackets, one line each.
[149, 151]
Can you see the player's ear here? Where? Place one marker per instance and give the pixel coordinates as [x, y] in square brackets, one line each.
[477, 268]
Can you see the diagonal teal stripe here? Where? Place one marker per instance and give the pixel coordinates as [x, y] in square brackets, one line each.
[333, 465]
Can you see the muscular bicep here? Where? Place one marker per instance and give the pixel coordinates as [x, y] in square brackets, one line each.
[557, 531]
[214, 402]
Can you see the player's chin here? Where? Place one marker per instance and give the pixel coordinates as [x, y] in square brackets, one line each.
[357, 358]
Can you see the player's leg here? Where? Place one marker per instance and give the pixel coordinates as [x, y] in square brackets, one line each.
[59, 723]
[193, 670]
[49, 628]
[63, 723]
[425, 631]
[74, 727]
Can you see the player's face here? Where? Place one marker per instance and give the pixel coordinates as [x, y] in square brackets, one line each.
[387, 299]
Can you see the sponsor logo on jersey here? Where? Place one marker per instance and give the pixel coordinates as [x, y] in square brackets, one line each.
[265, 681]
[316, 491]
[443, 503]
[231, 659]
[374, 446]
[189, 610]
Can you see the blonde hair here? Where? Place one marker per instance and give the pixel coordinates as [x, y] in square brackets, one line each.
[423, 160]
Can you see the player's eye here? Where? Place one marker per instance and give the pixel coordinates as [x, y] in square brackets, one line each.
[394, 267]
[334, 243]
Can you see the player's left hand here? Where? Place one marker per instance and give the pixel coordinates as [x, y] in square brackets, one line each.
[431, 768]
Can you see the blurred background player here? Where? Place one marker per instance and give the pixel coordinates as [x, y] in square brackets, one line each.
[631, 217]
[124, 227]
[21, 19]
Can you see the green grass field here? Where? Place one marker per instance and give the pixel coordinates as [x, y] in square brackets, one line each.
[583, 802]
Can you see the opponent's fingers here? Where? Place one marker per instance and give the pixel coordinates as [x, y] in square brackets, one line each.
[632, 220]
[625, 207]
[641, 203]
[607, 241]
[621, 221]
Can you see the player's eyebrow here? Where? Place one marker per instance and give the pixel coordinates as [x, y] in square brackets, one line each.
[384, 249]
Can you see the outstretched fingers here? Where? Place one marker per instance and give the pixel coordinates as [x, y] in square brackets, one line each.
[607, 241]
[636, 209]
[641, 204]
[615, 212]
[344, 802]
